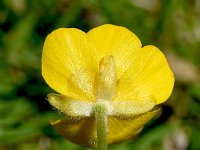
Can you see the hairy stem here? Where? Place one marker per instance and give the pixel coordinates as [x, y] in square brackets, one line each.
[101, 126]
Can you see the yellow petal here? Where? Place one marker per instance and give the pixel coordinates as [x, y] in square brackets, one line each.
[78, 131]
[148, 76]
[124, 129]
[116, 41]
[83, 132]
[68, 66]
[70, 107]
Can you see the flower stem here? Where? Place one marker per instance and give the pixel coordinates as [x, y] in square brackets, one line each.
[101, 126]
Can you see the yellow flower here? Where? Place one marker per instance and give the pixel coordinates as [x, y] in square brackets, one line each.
[107, 65]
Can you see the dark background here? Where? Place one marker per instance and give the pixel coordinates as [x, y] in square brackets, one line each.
[171, 25]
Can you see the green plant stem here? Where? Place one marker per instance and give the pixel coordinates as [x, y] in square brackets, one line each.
[101, 126]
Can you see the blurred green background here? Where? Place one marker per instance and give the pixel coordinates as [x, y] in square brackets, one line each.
[171, 25]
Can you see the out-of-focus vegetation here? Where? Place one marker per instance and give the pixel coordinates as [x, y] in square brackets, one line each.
[171, 25]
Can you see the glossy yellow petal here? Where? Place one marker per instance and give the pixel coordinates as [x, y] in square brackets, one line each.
[124, 129]
[83, 131]
[78, 131]
[148, 76]
[70, 107]
[68, 65]
[116, 41]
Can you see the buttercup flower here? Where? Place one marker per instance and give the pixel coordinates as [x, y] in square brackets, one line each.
[106, 66]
